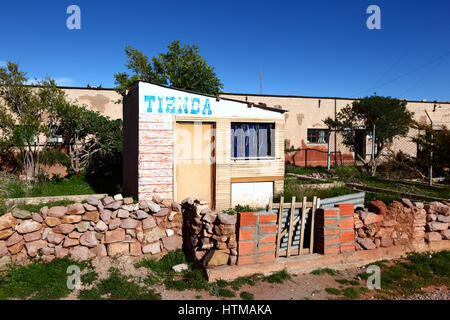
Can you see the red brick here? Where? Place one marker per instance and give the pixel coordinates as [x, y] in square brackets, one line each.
[246, 234]
[267, 248]
[331, 250]
[268, 239]
[246, 247]
[347, 223]
[327, 232]
[347, 247]
[332, 241]
[266, 218]
[266, 257]
[331, 221]
[272, 228]
[347, 236]
[242, 260]
[330, 213]
[346, 209]
[247, 218]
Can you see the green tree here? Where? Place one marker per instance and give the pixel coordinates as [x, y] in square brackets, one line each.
[180, 67]
[27, 116]
[436, 141]
[389, 115]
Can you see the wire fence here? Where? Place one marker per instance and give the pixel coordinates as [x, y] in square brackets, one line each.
[400, 152]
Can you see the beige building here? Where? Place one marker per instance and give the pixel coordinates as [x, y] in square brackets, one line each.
[304, 127]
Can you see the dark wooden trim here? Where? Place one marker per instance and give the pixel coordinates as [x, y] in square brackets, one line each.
[257, 179]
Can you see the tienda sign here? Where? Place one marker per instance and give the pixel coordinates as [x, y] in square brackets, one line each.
[177, 105]
[168, 102]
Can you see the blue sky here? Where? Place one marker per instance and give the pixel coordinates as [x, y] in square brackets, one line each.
[313, 48]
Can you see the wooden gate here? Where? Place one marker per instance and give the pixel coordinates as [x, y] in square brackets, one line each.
[295, 226]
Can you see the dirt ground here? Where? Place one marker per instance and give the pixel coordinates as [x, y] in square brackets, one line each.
[302, 286]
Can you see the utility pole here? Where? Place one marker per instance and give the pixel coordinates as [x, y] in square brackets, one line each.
[431, 152]
[329, 156]
[372, 170]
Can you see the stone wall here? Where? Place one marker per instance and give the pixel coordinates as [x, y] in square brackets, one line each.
[401, 223]
[209, 237]
[107, 227]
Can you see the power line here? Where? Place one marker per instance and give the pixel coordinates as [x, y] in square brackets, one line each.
[407, 73]
[426, 75]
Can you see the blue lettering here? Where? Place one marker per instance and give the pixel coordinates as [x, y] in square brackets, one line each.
[183, 106]
[197, 109]
[160, 109]
[207, 107]
[149, 99]
[170, 108]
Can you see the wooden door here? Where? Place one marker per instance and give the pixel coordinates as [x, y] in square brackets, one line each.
[194, 161]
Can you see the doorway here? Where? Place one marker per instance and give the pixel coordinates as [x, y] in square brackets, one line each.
[195, 161]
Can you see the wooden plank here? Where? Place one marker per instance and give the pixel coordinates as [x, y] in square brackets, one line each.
[269, 207]
[298, 205]
[304, 252]
[291, 226]
[313, 216]
[256, 179]
[302, 227]
[280, 225]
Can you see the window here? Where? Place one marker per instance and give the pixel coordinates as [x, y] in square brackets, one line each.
[55, 139]
[252, 140]
[317, 136]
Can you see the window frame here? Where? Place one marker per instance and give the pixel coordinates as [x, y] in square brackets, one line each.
[246, 136]
[317, 135]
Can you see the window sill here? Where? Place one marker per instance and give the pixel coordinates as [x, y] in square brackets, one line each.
[255, 158]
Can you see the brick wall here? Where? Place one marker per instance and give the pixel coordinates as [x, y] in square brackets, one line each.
[156, 149]
[256, 237]
[334, 230]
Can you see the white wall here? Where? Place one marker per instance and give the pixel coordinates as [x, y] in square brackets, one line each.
[254, 194]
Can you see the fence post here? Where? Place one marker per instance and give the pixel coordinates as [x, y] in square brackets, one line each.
[431, 151]
[372, 171]
[431, 156]
[329, 155]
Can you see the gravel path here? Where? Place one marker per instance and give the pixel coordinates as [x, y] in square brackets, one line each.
[436, 294]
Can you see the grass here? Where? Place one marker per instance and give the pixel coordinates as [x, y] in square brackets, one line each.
[246, 295]
[346, 281]
[351, 293]
[333, 291]
[278, 277]
[118, 287]
[222, 292]
[38, 280]
[194, 279]
[331, 272]
[57, 187]
[419, 270]
[292, 188]
[295, 187]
